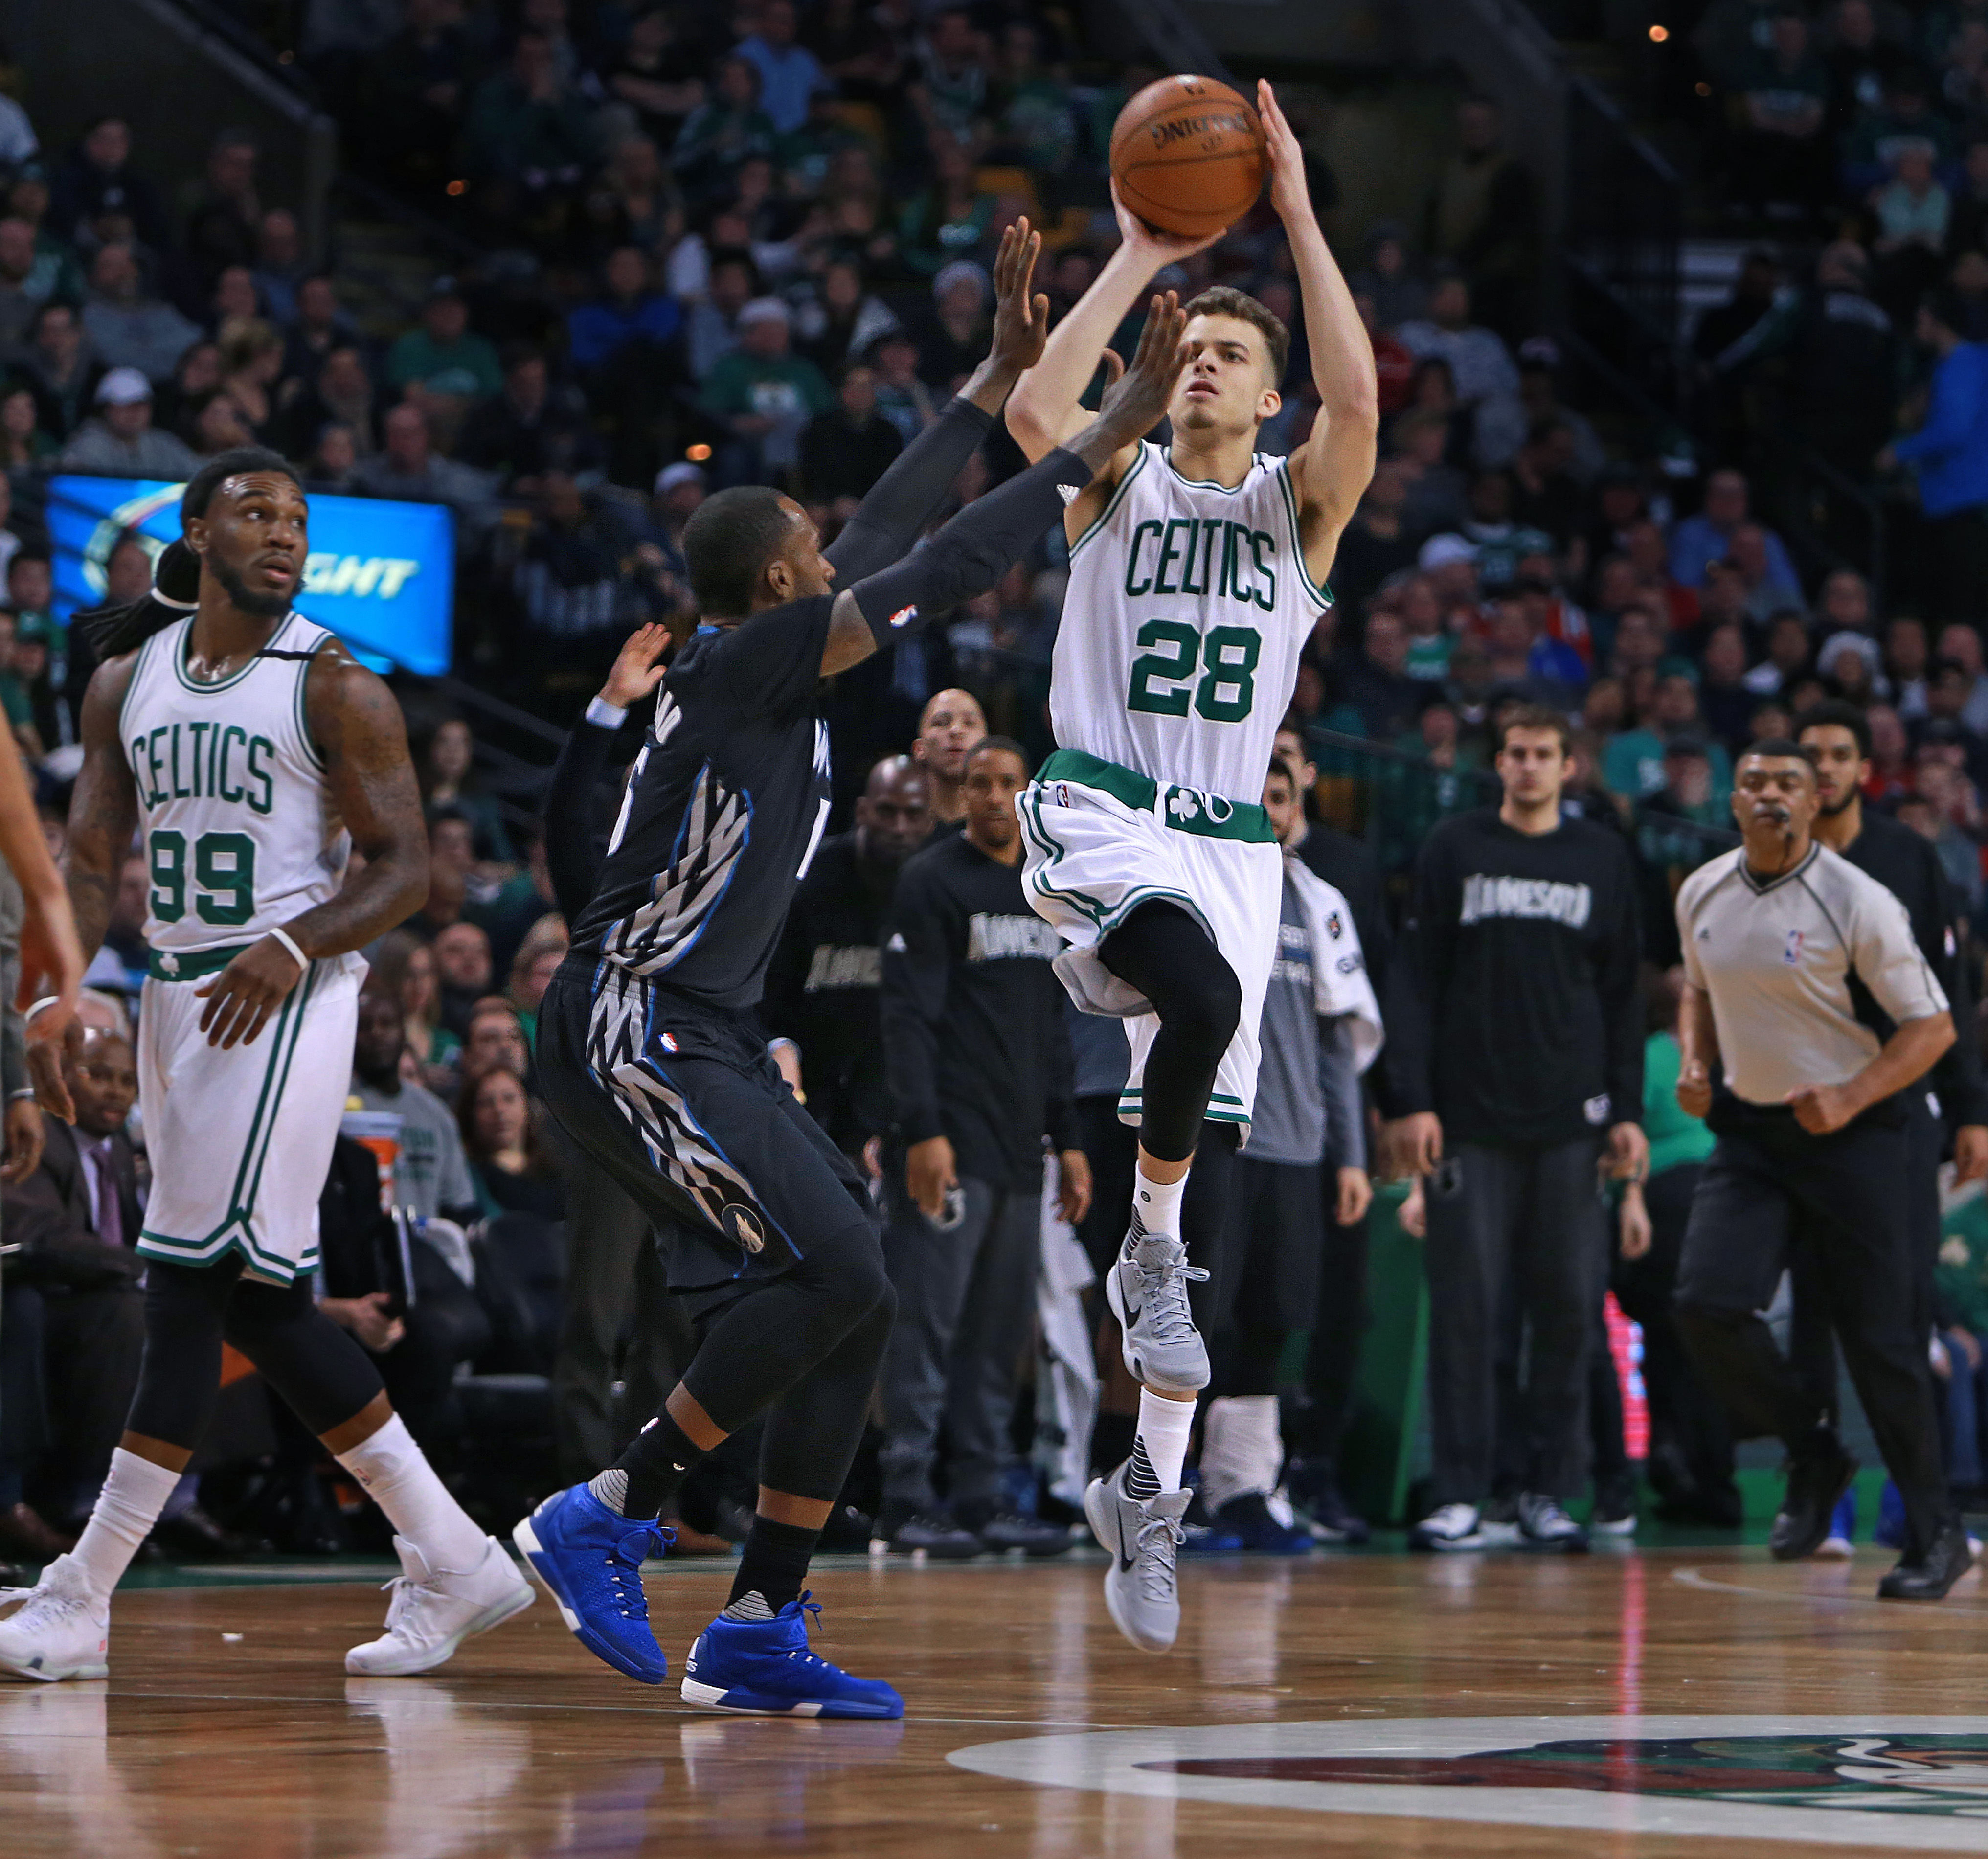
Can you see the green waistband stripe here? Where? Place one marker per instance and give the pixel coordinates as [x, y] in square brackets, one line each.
[191, 964]
[1187, 809]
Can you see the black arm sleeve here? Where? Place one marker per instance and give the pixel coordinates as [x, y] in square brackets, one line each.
[573, 851]
[904, 499]
[973, 551]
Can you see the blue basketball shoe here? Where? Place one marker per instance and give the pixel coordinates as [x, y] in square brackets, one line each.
[591, 1559]
[766, 1667]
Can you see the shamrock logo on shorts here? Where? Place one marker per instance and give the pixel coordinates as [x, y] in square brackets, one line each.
[1183, 807]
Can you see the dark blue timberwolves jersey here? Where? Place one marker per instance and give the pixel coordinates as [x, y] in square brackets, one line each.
[725, 807]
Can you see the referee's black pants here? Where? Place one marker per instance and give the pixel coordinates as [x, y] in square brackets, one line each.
[1839, 1208]
[1811, 1341]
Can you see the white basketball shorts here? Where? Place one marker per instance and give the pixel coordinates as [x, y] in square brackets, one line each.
[241, 1140]
[1096, 848]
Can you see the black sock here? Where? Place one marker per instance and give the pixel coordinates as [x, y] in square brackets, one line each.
[657, 1461]
[773, 1565]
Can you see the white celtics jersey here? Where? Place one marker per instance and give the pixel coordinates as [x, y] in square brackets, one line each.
[236, 824]
[1187, 607]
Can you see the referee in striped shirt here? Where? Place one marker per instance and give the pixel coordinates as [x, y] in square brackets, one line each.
[1791, 954]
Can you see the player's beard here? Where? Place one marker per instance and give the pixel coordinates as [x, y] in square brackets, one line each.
[259, 604]
[1829, 810]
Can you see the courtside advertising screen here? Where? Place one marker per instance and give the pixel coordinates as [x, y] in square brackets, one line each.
[380, 575]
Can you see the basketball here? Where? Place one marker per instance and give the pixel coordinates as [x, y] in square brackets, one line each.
[1188, 157]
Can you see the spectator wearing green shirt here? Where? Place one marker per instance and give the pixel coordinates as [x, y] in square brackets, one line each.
[722, 134]
[764, 395]
[1690, 1463]
[445, 355]
[530, 135]
[1632, 763]
[1035, 127]
[1782, 154]
[1907, 119]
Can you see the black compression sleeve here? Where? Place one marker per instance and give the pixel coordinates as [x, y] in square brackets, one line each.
[974, 550]
[900, 504]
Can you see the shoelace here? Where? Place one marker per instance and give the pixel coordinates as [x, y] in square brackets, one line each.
[1158, 1539]
[1163, 1290]
[625, 1566]
[402, 1589]
[43, 1607]
[804, 1653]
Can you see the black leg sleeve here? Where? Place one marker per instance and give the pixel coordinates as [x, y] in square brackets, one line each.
[763, 1343]
[318, 1368]
[179, 1375]
[813, 1429]
[1163, 952]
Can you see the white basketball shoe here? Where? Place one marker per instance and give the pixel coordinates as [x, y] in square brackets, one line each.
[434, 1610]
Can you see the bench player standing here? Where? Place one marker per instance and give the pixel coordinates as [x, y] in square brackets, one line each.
[1197, 570]
[253, 753]
[652, 1057]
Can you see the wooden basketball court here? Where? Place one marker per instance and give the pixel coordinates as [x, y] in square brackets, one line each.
[1674, 1702]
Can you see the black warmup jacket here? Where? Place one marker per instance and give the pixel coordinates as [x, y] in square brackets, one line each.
[822, 993]
[1525, 951]
[1908, 867]
[974, 1038]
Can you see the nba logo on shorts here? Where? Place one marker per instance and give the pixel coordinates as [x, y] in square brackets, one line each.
[1792, 954]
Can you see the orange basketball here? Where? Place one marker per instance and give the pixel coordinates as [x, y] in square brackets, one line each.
[1188, 154]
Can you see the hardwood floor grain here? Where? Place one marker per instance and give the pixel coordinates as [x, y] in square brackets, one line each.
[1322, 1705]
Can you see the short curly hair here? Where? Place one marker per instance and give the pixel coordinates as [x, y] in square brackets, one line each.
[1225, 300]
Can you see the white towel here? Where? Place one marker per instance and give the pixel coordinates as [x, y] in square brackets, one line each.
[1340, 981]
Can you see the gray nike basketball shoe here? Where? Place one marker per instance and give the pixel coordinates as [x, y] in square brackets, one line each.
[1147, 1293]
[1143, 1536]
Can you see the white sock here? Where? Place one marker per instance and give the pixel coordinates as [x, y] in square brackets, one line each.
[1155, 1205]
[398, 1478]
[1241, 1447]
[120, 1520]
[1165, 1426]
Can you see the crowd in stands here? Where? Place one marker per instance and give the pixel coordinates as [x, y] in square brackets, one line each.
[752, 245]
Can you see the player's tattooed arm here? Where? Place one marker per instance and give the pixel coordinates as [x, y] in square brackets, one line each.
[103, 809]
[1335, 464]
[356, 724]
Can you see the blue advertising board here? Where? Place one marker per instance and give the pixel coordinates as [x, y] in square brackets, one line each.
[380, 575]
